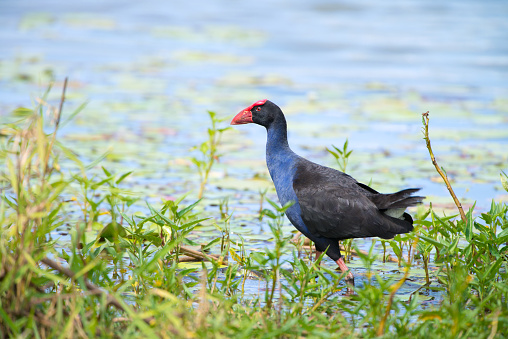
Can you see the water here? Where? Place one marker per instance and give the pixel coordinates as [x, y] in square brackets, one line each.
[362, 70]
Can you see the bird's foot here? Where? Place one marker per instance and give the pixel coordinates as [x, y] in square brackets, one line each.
[350, 279]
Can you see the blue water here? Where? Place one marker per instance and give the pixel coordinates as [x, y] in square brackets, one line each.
[151, 69]
[166, 64]
[411, 44]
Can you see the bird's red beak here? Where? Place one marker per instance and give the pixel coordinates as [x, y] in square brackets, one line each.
[244, 117]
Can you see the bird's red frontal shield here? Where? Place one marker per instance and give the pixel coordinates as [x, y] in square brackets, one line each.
[245, 116]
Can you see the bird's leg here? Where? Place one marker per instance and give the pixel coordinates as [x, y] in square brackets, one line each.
[350, 279]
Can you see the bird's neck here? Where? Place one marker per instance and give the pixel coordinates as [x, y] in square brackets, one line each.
[281, 161]
[277, 138]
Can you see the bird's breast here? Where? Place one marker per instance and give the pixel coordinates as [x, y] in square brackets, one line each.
[282, 174]
[282, 171]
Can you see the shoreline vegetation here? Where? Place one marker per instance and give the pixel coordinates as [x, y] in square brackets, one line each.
[131, 278]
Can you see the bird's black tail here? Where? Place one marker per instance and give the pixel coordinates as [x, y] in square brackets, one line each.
[392, 207]
[397, 226]
[402, 199]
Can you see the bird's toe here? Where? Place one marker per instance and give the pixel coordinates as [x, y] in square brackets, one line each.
[350, 279]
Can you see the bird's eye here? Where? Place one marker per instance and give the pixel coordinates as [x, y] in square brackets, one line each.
[258, 108]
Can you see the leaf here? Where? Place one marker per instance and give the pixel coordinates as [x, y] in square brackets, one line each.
[210, 244]
[212, 115]
[111, 232]
[503, 233]
[192, 223]
[337, 149]
[123, 176]
[161, 216]
[12, 204]
[268, 213]
[396, 248]
[274, 204]
[98, 160]
[133, 258]
[504, 181]
[502, 237]
[88, 246]
[453, 245]
[335, 155]
[106, 171]
[259, 257]
[71, 155]
[187, 290]
[221, 130]
[187, 209]
[22, 112]
[468, 226]
[432, 241]
[96, 185]
[235, 256]
[493, 269]
[73, 114]
[286, 206]
[165, 250]
[487, 218]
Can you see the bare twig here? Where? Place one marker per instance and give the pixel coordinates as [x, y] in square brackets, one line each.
[40, 300]
[425, 118]
[198, 255]
[91, 287]
[111, 300]
[62, 99]
[57, 124]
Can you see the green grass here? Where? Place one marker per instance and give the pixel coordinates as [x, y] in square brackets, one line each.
[130, 280]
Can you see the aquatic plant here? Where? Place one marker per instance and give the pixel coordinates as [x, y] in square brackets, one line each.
[209, 151]
[342, 158]
[341, 155]
[160, 277]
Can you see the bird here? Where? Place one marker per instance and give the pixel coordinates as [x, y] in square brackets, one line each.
[328, 205]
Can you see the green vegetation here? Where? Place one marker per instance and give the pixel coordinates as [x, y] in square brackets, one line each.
[208, 150]
[341, 156]
[124, 273]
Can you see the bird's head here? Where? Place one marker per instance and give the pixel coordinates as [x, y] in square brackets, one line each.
[262, 112]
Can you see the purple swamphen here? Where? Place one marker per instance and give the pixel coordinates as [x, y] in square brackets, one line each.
[329, 205]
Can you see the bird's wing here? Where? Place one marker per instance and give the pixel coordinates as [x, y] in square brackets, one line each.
[367, 188]
[333, 205]
[335, 213]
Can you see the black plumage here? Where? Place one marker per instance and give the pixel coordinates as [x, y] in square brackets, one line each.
[335, 205]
